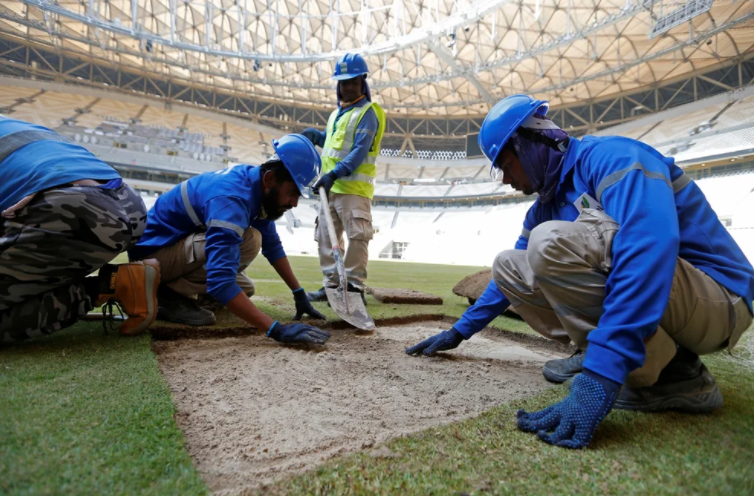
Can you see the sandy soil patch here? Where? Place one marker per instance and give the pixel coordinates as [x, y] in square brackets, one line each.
[253, 411]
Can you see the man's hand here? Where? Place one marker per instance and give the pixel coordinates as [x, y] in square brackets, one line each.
[304, 306]
[446, 340]
[326, 181]
[574, 419]
[311, 134]
[297, 333]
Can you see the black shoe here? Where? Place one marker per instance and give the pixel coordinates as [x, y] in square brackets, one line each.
[562, 369]
[208, 302]
[319, 295]
[174, 307]
[684, 384]
[354, 289]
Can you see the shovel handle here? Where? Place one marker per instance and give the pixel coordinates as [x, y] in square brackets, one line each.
[328, 218]
[335, 248]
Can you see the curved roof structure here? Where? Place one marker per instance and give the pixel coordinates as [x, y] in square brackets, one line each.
[434, 57]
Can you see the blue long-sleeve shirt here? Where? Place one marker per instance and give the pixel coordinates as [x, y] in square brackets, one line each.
[365, 132]
[44, 164]
[662, 216]
[224, 204]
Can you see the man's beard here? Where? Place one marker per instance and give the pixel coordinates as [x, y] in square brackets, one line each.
[271, 205]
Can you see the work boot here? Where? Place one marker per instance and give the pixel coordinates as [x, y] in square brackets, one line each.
[562, 369]
[208, 302]
[174, 307]
[354, 289]
[684, 384]
[132, 286]
[319, 295]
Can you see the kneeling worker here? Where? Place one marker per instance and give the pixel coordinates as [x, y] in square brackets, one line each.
[622, 255]
[65, 215]
[208, 229]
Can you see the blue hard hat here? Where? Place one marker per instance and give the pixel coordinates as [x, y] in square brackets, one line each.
[504, 119]
[300, 158]
[349, 66]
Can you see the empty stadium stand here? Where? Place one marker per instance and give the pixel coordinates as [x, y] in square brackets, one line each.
[440, 207]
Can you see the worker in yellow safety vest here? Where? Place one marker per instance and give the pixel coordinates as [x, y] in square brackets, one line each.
[350, 146]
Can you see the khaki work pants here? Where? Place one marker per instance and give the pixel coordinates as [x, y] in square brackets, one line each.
[352, 214]
[558, 286]
[183, 265]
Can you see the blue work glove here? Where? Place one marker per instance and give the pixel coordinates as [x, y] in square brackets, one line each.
[297, 333]
[326, 180]
[446, 340]
[311, 134]
[574, 419]
[304, 307]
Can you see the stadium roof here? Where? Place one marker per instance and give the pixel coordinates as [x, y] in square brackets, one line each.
[447, 57]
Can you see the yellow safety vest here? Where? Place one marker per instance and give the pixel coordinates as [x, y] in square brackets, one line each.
[339, 143]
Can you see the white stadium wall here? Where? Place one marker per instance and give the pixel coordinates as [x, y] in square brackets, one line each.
[476, 237]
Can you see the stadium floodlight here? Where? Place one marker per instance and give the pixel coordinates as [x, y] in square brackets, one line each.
[686, 12]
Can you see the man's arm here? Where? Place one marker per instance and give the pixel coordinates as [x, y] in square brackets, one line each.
[634, 188]
[486, 309]
[493, 302]
[283, 267]
[243, 308]
[227, 219]
[225, 227]
[316, 136]
[223, 259]
[272, 248]
[362, 142]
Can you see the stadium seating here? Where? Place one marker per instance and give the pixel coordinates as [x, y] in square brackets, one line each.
[156, 138]
[146, 135]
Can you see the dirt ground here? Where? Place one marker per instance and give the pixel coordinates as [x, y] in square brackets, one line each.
[253, 411]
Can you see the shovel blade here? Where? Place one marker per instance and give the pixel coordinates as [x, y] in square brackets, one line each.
[356, 315]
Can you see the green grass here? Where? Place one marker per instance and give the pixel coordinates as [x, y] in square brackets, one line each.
[85, 413]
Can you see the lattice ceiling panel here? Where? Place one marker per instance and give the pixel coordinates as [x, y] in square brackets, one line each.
[427, 57]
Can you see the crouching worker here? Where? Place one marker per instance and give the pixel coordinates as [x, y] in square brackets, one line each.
[208, 229]
[622, 255]
[65, 215]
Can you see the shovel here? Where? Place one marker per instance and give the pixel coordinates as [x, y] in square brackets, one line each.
[348, 306]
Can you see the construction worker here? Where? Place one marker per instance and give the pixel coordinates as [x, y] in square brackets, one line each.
[350, 146]
[620, 254]
[208, 229]
[65, 215]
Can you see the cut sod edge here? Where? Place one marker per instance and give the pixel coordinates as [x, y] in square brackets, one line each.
[171, 333]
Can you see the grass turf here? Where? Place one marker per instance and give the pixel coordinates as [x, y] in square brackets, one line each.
[87, 413]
